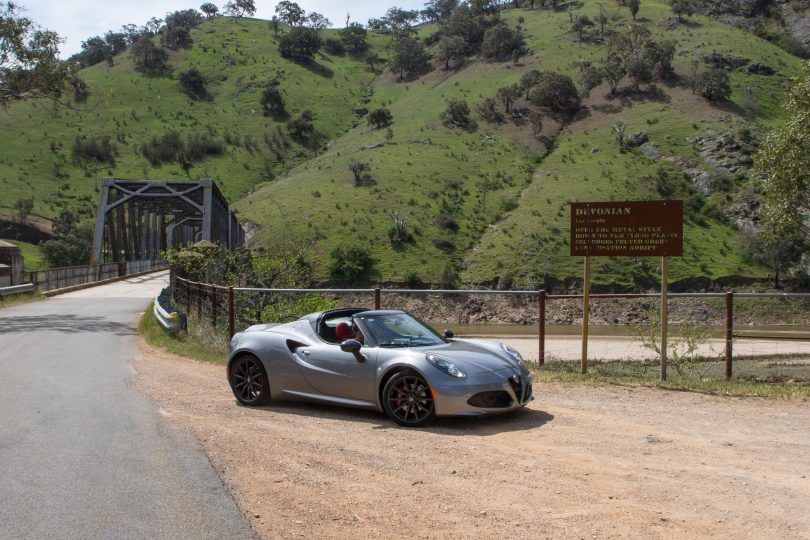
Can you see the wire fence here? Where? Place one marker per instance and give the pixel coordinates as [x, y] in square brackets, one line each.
[717, 335]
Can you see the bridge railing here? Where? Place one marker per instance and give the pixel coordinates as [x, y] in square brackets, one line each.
[59, 278]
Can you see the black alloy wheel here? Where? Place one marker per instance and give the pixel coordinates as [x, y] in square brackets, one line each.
[249, 381]
[408, 400]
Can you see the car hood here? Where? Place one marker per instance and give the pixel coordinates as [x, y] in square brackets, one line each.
[474, 357]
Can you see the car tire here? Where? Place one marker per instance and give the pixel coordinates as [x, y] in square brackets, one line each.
[249, 382]
[408, 400]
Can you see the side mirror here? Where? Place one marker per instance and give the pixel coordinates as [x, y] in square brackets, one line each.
[448, 333]
[353, 346]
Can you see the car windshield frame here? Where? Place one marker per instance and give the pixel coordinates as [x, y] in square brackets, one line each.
[388, 337]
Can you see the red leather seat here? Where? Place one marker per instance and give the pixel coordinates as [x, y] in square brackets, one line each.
[343, 332]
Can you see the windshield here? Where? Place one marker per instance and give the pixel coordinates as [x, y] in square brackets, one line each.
[399, 330]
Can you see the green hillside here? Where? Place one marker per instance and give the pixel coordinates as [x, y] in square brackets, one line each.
[483, 203]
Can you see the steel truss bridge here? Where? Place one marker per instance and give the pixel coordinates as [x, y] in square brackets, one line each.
[138, 219]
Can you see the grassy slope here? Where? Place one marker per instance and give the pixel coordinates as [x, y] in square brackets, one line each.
[530, 241]
[32, 255]
[533, 240]
[236, 57]
[476, 175]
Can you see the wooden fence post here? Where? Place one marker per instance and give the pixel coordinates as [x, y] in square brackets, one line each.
[729, 332]
[377, 297]
[200, 300]
[541, 327]
[214, 305]
[231, 316]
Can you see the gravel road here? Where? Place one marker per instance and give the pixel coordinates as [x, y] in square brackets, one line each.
[578, 462]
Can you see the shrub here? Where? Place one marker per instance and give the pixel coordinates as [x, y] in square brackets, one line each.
[444, 243]
[300, 44]
[500, 41]
[334, 46]
[457, 114]
[193, 82]
[289, 310]
[555, 91]
[488, 110]
[713, 85]
[99, 149]
[446, 221]
[352, 264]
[380, 118]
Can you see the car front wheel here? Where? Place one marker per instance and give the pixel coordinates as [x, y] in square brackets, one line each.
[408, 400]
[248, 380]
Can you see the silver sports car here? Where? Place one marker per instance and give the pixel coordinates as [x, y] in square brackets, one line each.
[384, 360]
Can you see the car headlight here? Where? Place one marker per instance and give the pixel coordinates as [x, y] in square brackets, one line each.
[445, 365]
[513, 353]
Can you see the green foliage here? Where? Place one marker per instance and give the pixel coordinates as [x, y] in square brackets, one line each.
[23, 206]
[555, 91]
[353, 38]
[713, 85]
[193, 82]
[272, 101]
[450, 47]
[379, 118]
[209, 9]
[286, 310]
[352, 264]
[291, 13]
[72, 242]
[457, 114]
[683, 350]
[240, 8]
[500, 41]
[301, 127]
[300, 44]
[409, 57]
[30, 67]
[100, 149]
[170, 146]
[783, 165]
[148, 57]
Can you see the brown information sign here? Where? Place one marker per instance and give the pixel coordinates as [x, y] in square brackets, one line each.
[627, 229]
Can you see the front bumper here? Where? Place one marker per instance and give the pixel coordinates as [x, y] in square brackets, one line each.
[483, 393]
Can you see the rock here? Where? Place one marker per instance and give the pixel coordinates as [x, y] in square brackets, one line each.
[594, 150]
[760, 69]
[362, 111]
[745, 161]
[704, 183]
[637, 139]
[650, 150]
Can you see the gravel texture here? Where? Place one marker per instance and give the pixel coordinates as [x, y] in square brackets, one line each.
[580, 461]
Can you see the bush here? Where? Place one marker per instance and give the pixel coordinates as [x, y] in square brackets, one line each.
[444, 243]
[300, 44]
[351, 264]
[457, 114]
[99, 149]
[170, 146]
[500, 42]
[290, 310]
[713, 85]
[147, 56]
[193, 82]
[380, 118]
[488, 110]
[446, 221]
[555, 91]
[334, 46]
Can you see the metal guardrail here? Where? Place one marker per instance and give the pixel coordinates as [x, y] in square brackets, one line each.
[169, 317]
[16, 289]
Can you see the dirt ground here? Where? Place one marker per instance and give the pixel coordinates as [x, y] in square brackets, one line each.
[579, 462]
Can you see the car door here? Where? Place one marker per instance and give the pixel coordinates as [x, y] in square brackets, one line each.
[333, 372]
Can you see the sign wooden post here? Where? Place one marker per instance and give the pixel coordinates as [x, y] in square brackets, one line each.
[586, 311]
[626, 229]
[664, 318]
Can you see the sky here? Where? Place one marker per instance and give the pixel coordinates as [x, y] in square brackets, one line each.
[77, 20]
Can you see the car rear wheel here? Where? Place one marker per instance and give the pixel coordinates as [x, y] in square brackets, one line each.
[248, 381]
[408, 400]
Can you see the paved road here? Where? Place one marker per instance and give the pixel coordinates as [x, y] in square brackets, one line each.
[81, 454]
